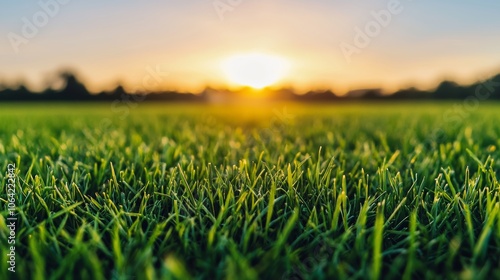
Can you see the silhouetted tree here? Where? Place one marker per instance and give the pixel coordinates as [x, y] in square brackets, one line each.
[73, 89]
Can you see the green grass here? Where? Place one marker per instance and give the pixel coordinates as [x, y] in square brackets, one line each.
[381, 191]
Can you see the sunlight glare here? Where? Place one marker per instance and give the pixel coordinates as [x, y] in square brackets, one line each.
[255, 70]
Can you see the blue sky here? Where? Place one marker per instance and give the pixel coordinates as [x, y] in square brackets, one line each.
[112, 41]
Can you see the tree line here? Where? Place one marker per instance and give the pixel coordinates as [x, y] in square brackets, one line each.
[74, 90]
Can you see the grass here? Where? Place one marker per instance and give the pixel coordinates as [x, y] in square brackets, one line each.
[312, 192]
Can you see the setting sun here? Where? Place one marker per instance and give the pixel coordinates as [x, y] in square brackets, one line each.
[255, 70]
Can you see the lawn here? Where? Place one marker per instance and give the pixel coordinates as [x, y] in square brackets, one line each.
[274, 192]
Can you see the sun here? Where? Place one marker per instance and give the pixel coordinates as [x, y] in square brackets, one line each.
[256, 70]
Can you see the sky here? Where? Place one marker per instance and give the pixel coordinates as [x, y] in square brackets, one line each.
[180, 44]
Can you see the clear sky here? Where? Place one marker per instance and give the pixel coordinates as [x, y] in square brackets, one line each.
[111, 41]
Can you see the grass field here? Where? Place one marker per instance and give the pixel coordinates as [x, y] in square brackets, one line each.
[277, 192]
